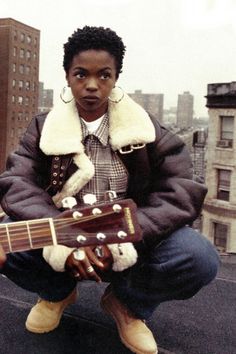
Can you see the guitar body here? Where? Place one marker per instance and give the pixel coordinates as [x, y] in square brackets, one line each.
[112, 222]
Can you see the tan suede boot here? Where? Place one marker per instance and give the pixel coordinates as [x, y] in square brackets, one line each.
[133, 332]
[45, 315]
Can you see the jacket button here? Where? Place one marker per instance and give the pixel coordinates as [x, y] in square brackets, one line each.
[54, 174]
[62, 167]
[55, 166]
[54, 182]
[56, 158]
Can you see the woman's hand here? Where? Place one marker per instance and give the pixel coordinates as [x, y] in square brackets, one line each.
[83, 262]
[2, 256]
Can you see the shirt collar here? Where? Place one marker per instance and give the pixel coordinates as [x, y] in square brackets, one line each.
[102, 133]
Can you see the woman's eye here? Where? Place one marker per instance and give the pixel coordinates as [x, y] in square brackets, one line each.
[80, 75]
[105, 76]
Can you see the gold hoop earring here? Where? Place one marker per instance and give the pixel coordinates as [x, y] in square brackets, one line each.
[64, 93]
[114, 93]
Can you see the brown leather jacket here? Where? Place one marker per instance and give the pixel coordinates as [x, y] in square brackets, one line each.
[160, 181]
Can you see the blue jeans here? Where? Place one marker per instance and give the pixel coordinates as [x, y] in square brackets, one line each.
[175, 269]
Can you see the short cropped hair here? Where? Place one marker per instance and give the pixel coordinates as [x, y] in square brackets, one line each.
[98, 38]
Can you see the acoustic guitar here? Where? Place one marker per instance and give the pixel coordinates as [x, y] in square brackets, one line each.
[112, 222]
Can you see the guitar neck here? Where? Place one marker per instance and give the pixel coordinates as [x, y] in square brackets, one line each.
[109, 223]
[25, 235]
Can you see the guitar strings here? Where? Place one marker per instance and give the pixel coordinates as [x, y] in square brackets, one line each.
[45, 231]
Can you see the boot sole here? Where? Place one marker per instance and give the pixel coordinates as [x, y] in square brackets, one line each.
[41, 330]
[110, 312]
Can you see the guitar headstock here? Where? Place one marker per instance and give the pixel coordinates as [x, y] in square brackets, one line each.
[111, 222]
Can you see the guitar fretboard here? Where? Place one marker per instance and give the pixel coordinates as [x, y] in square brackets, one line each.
[23, 235]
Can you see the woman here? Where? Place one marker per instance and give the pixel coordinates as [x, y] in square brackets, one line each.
[97, 139]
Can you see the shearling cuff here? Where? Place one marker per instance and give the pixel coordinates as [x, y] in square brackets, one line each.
[56, 256]
[124, 255]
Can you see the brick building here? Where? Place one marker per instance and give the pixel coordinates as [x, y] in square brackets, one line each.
[185, 110]
[45, 99]
[219, 212]
[19, 71]
[151, 102]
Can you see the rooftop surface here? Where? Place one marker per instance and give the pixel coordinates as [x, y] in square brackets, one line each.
[205, 324]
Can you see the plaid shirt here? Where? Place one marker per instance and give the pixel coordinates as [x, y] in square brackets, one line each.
[110, 173]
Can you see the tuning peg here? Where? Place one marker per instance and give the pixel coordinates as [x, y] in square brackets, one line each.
[96, 211]
[110, 195]
[69, 202]
[81, 239]
[122, 235]
[89, 199]
[101, 236]
[117, 208]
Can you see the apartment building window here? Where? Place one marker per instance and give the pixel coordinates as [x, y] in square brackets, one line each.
[12, 133]
[22, 53]
[21, 69]
[14, 51]
[27, 70]
[28, 54]
[27, 101]
[19, 132]
[20, 100]
[20, 115]
[27, 85]
[22, 37]
[14, 67]
[226, 132]
[223, 189]
[220, 234]
[13, 83]
[35, 56]
[21, 84]
[13, 99]
[28, 39]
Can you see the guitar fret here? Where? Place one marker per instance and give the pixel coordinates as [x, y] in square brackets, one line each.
[53, 232]
[18, 236]
[29, 234]
[8, 238]
[40, 233]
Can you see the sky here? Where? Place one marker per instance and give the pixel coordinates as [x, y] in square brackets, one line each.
[172, 46]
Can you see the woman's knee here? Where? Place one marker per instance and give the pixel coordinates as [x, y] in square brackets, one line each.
[188, 251]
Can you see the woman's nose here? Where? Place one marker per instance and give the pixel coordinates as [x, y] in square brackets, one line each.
[92, 84]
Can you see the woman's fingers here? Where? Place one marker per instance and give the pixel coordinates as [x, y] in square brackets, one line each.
[80, 265]
[93, 258]
[2, 256]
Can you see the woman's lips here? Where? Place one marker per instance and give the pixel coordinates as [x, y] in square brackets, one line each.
[90, 98]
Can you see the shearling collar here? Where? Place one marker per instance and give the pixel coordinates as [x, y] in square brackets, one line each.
[128, 124]
[62, 134]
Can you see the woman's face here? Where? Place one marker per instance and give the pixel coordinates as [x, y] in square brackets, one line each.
[91, 77]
